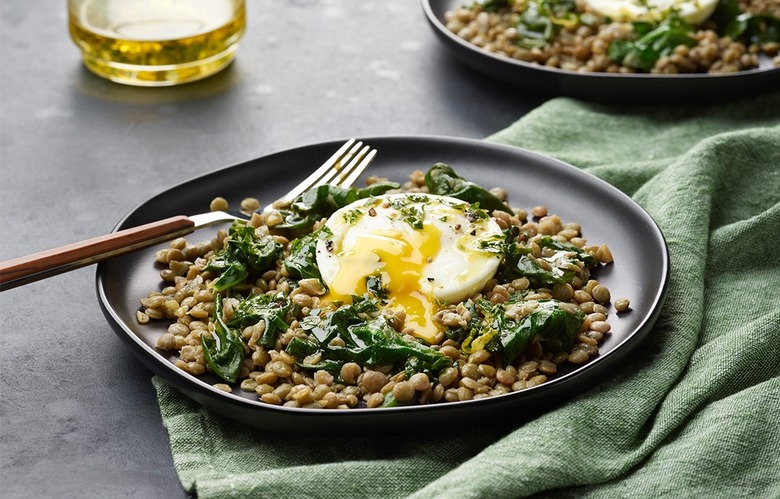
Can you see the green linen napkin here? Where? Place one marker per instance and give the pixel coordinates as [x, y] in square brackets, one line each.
[695, 413]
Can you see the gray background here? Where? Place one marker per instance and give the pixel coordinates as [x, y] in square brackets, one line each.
[78, 416]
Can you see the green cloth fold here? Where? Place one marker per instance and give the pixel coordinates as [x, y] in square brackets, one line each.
[695, 413]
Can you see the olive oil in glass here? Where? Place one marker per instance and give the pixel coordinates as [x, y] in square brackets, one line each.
[156, 42]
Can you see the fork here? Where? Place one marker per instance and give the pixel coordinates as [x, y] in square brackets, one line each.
[342, 169]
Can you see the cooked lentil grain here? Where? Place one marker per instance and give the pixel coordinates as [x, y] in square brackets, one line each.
[219, 204]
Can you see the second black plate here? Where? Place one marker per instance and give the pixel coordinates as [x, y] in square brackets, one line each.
[602, 87]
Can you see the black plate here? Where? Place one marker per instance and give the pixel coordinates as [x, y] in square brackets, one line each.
[604, 87]
[607, 215]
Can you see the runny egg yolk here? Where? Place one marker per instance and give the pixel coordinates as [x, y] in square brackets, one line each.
[400, 258]
[421, 249]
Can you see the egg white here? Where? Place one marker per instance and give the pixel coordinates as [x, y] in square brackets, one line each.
[692, 11]
[448, 259]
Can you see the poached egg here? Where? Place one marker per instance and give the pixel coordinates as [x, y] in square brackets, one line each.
[691, 11]
[422, 248]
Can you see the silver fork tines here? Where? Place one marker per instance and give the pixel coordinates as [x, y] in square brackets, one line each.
[341, 169]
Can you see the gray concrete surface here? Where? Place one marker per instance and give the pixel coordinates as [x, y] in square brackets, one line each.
[78, 416]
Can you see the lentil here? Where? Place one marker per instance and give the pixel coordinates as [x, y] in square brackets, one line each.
[601, 294]
[622, 304]
[166, 342]
[403, 391]
[539, 211]
[219, 204]
[250, 204]
[375, 400]
[373, 381]
[486, 371]
[248, 385]
[465, 393]
[350, 372]
[420, 382]
[271, 398]
[578, 357]
[547, 367]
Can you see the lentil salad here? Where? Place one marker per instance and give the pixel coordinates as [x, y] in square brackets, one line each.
[255, 327]
[739, 35]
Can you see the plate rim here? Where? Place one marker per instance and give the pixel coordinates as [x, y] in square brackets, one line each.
[195, 386]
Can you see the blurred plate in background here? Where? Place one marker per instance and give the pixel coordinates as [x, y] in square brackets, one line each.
[603, 87]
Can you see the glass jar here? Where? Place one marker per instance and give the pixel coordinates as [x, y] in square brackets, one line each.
[156, 42]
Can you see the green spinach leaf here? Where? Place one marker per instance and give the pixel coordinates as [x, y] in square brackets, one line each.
[495, 5]
[301, 263]
[375, 287]
[745, 26]
[376, 343]
[578, 253]
[320, 202]
[271, 309]
[541, 21]
[441, 179]
[518, 260]
[644, 52]
[551, 321]
[367, 340]
[754, 28]
[460, 333]
[326, 329]
[224, 350]
[244, 252]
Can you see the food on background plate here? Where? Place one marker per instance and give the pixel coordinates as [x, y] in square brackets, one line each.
[625, 36]
[429, 292]
[693, 12]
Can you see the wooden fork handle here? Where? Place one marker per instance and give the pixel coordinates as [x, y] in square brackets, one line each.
[55, 261]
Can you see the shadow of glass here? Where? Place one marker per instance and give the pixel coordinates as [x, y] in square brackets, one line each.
[88, 84]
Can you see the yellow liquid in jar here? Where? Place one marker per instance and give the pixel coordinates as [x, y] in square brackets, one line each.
[156, 42]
